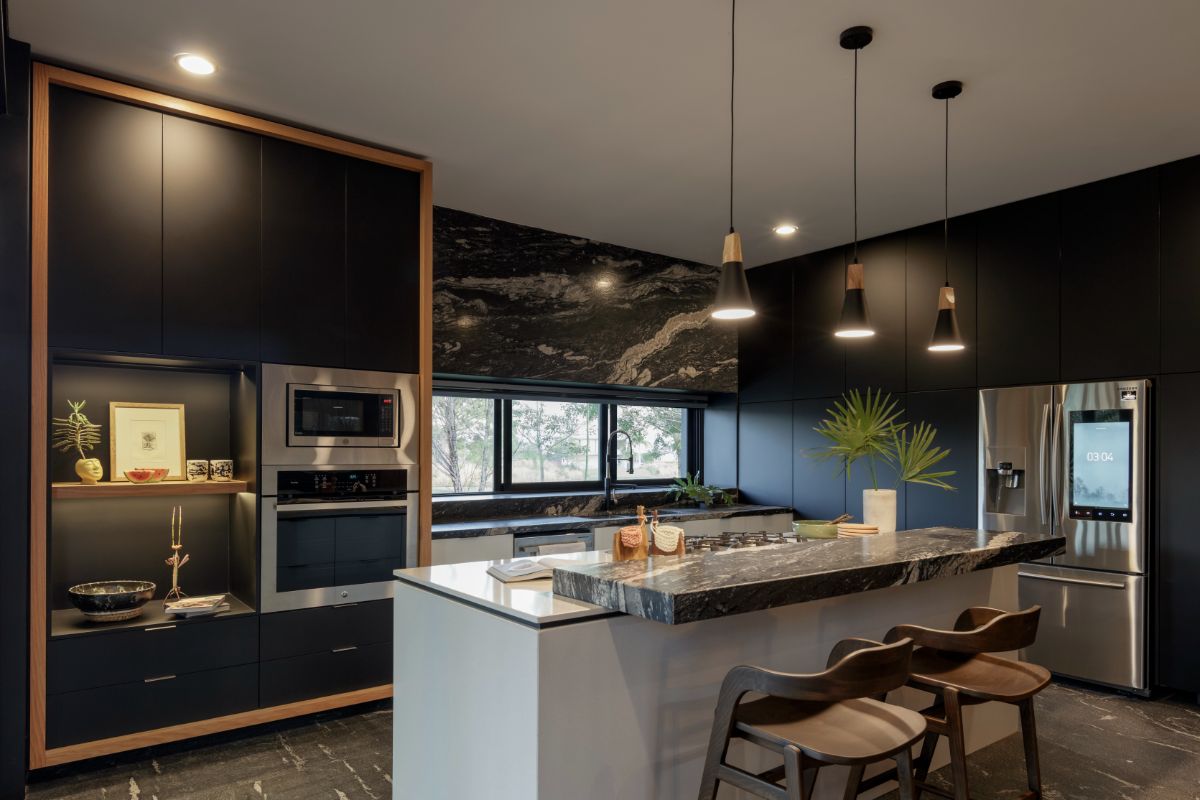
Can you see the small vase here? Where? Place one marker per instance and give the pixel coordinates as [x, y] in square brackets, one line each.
[879, 509]
[89, 470]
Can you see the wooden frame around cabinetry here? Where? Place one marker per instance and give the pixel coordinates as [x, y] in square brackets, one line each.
[43, 76]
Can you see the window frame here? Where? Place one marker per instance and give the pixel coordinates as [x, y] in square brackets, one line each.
[502, 482]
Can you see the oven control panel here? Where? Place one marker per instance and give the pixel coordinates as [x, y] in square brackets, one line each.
[342, 484]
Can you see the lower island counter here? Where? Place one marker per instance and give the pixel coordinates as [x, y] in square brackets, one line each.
[601, 682]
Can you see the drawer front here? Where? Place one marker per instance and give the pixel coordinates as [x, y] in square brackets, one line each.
[320, 630]
[103, 659]
[287, 680]
[92, 714]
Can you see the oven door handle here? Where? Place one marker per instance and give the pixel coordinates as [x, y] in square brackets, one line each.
[349, 505]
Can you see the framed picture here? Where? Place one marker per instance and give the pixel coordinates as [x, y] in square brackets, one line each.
[144, 435]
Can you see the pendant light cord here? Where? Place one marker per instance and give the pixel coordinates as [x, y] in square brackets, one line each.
[732, 77]
[855, 156]
[946, 194]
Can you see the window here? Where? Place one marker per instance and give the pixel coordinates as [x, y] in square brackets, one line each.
[495, 443]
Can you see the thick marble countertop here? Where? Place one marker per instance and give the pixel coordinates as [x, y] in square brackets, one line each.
[704, 586]
[545, 524]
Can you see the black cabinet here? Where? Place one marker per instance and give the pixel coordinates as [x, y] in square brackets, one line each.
[818, 485]
[820, 359]
[105, 226]
[1110, 278]
[211, 203]
[765, 340]
[320, 674]
[303, 255]
[878, 361]
[925, 275]
[764, 458]
[383, 267]
[315, 630]
[955, 415]
[1178, 546]
[1181, 265]
[1018, 292]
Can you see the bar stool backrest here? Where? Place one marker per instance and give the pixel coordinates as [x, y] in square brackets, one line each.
[977, 630]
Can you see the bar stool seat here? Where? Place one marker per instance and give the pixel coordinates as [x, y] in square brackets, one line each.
[981, 677]
[851, 731]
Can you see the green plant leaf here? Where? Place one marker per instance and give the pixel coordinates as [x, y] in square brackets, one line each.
[915, 458]
[859, 426]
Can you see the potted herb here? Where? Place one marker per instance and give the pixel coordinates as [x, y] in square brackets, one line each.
[77, 433]
[868, 427]
[701, 494]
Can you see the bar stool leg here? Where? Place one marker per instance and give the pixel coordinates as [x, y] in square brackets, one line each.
[854, 782]
[793, 774]
[924, 759]
[958, 746]
[1033, 768]
[904, 774]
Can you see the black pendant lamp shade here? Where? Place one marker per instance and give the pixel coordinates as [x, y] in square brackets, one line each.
[855, 322]
[946, 336]
[733, 292]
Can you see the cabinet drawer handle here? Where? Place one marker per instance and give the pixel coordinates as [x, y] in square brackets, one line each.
[1076, 581]
[159, 678]
[346, 605]
[160, 628]
[343, 649]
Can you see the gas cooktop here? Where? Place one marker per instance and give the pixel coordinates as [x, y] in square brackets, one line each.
[733, 541]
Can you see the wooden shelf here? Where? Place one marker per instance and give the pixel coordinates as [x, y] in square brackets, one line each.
[78, 491]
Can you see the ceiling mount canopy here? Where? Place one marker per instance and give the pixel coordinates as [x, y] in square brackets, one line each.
[733, 292]
[854, 321]
[946, 336]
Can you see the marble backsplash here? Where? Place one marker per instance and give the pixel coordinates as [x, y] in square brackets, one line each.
[512, 301]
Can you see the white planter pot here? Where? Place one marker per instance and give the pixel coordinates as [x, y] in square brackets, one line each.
[879, 509]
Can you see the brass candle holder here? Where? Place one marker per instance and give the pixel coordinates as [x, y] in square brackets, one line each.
[175, 561]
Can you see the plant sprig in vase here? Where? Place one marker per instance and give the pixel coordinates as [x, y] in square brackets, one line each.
[76, 432]
[702, 494]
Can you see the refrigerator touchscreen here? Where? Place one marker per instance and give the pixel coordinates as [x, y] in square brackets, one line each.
[1101, 444]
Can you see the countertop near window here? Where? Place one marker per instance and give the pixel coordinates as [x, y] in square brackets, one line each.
[710, 585]
[545, 524]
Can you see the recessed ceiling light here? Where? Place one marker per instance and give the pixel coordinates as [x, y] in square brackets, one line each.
[786, 229]
[197, 65]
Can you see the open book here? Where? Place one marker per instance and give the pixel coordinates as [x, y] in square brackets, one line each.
[528, 569]
[197, 606]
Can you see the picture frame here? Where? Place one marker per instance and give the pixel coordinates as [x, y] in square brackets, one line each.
[146, 435]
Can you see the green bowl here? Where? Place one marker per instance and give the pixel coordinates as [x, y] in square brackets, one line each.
[814, 529]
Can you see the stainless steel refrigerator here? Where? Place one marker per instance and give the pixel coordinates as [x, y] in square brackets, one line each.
[1074, 458]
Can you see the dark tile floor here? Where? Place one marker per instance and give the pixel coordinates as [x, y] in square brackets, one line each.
[1094, 746]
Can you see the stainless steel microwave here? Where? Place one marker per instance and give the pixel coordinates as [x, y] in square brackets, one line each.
[341, 416]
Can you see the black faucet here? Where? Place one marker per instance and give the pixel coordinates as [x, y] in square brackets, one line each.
[610, 467]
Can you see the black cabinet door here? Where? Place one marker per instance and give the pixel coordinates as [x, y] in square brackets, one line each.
[211, 201]
[765, 340]
[1110, 271]
[764, 461]
[383, 267]
[878, 361]
[1018, 292]
[955, 415]
[303, 255]
[105, 235]
[925, 274]
[820, 359]
[818, 485]
[1181, 265]
[1178, 557]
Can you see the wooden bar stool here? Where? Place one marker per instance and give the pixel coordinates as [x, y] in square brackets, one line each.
[956, 667]
[815, 720]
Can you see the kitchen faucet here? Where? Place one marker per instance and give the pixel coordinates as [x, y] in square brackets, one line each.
[610, 467]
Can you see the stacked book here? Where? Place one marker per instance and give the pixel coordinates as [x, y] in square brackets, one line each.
[197, 606]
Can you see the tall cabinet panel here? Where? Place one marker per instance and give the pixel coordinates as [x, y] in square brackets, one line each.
[818, 488]
[1178, 560]
[105, 227]
[1181, 265]
[955, 414]
[820, 357]
[879, 361]
[1110, 278]
[765, 340]
[764, 460]
[303, 255]
[383, 267]
[925, 276]
[211, 202]
[1019, 293]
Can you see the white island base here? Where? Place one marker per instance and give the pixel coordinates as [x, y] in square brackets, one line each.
[489, 706]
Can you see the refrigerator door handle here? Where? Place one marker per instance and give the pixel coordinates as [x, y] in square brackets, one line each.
[1043, 476]
[1055, 442]
[1077, 581]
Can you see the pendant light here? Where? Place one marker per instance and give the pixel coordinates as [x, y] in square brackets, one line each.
[854, 322]
[946, 337]
[733, 292]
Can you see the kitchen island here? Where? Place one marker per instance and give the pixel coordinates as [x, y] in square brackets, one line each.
[601, 682]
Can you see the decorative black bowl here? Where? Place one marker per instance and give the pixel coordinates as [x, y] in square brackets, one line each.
[111, 601]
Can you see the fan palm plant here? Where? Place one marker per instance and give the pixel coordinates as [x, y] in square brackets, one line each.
[860, 426]
[915, 458]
